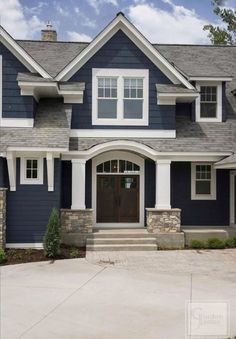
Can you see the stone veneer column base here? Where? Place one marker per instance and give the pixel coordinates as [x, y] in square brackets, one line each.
[3, 198]
[163, 221]
[76, 225]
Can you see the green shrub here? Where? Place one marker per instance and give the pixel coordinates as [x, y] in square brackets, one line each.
[215, 243]
[51, 241]
[197, 244]
[229, 243]
[74, 253]
[2, 256]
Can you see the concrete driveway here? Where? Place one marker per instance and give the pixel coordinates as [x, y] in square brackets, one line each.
[114, 295]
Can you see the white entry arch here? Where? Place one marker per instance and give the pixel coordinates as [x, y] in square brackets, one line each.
[119, 155]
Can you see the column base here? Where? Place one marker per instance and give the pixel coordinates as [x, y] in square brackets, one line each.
[76, 225]
[163, 220]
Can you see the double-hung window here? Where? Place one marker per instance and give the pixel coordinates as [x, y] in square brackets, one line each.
[203, 181]
[120, 97]
[31, 171]
[209, 103]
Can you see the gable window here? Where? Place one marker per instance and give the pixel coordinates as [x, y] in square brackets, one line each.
[209, 103]
[31, 171]
[120, 97]
[203, 182]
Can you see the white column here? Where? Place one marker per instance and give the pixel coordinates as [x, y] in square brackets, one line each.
[11, 164]
[163, 184]
[78, 184]
[50, 171]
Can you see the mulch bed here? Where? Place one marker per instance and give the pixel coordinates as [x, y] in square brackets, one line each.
[20, 256]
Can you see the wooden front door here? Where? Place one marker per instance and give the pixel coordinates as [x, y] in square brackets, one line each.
[117, 198]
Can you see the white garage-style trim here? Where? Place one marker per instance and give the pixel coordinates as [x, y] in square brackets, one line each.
[119, 155]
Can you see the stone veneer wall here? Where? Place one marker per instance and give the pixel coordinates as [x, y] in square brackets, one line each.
[76, 225]
[163, 221]
[3, 195]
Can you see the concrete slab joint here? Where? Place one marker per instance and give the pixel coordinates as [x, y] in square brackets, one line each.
[163, 220]
[76, 225]
[3, 196]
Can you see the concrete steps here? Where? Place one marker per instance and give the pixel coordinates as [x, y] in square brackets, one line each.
[121, 240]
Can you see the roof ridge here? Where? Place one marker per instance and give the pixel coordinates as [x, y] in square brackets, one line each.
[70, 42]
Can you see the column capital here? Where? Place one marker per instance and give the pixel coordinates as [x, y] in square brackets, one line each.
[163, 161]
[78, 161]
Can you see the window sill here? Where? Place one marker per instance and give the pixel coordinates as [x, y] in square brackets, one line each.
[203, 197]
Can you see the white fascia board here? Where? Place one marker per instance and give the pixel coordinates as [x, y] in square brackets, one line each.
[37, 149]
[16, 122]
[222, 79]
[120, 22]
[36, 245]
[21, 54]
[177, 95]
[122, 133]
[225, 166]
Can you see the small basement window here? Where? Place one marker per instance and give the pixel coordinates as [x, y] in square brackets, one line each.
[31, 171]
[203, 182]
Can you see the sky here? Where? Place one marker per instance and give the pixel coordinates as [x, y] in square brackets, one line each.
[161, 21]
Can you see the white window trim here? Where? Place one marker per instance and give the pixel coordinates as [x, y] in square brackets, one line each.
[120, 73]
[23, 179]
[212, 195]
[219, 102]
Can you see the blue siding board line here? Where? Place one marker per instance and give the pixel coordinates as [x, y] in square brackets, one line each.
[199, 212]
[14, 105]
[121, 52]
[28, 208]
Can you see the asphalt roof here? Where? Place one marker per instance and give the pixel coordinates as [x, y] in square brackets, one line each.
[51, 129]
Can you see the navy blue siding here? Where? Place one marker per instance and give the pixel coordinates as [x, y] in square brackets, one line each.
[150, 183]
[28, 208]
[66, 184]
[3, 172]
[224, 103]
[199, 212]
[121, 52]
[13, 104]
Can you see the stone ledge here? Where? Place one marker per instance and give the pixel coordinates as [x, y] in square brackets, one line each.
[163, 210]
[163, 221]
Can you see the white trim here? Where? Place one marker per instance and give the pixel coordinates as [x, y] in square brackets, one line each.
[38, 149]
[232, 197]
[122, 133]
[78, 184]
[11, 165]
[212, 195]
[50, 171]
[120, 22]
[172, 98]
[21, 54]
[200, 78]
[16, 122]
[120, 73]
[36, 245]
[163, 187]
[23, 179]
[118, 155]
[219, 102]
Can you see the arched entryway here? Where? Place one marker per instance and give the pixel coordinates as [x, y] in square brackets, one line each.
[118, 189]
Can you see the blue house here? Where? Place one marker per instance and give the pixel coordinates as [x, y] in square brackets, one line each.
[116, 133]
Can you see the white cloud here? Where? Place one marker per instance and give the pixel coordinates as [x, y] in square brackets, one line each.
[179, 25]
[97, 4]
[35, 10]
[63, 11]
[75, 36]
[14, 21]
